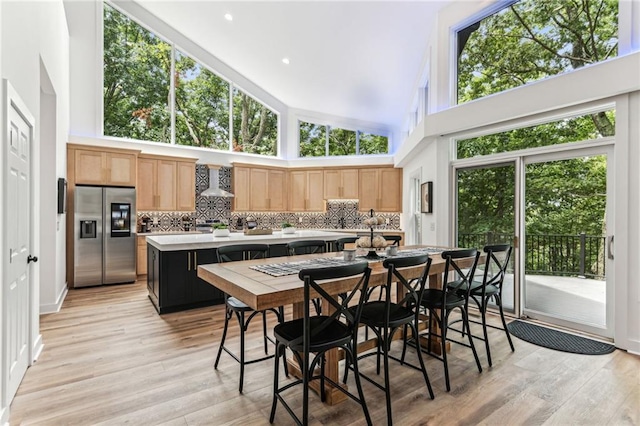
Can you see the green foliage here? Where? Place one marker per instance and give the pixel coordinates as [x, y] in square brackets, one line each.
[287, 225]
[558, 132]
[202, 105]
[255, 127]
[313, 139]
[342, 142]
[136, 80]
[373, 144]
[220, 226]
[533, 39]
[525, 42]
[137, 95]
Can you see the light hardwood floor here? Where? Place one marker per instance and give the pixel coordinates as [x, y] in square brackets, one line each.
[109, 358]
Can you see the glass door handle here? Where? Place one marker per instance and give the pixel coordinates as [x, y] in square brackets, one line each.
[610, 247]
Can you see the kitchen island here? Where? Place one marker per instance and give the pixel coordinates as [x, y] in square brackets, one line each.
[172, 263]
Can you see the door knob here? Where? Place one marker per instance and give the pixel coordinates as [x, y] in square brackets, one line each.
[32, 259]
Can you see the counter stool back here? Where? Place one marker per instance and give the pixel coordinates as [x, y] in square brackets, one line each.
[441, 303]
[236, 307]
[308, 247]
[315, 335]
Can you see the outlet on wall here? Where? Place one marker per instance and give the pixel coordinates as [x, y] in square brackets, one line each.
[300, 219]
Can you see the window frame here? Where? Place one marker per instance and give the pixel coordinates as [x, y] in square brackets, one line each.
[328, 127]
[175, 46]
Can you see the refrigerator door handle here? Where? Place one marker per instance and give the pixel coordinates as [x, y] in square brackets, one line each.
[188, 261]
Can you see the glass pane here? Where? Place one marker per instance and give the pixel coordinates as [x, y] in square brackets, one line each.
[574, 129]
[202, 105]
[531, 40]
[313, 140]
[255, 127]
[137, 66]
[486, 214]
[565, 239]
[373, 144]
[342, 142]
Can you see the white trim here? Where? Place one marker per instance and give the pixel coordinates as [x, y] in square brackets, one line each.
[36, 349]
[51, 308]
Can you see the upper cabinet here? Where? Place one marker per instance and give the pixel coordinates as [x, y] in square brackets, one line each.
[103, 166]
[165, 183]
[380, 189]
[341, 184]
[259, 188]
[306, 190]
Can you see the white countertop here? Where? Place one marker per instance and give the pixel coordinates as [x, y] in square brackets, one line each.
[174, 242]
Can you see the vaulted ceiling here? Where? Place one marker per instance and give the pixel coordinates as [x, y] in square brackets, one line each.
[355, 59]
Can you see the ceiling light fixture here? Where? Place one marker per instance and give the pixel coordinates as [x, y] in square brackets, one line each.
[228, 17]
[285, 61]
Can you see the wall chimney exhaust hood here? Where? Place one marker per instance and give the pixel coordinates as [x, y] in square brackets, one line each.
[214, 184]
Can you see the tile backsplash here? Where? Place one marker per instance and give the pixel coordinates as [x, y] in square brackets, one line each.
[339, 213]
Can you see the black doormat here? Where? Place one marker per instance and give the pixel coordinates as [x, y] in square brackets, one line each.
[554, 339]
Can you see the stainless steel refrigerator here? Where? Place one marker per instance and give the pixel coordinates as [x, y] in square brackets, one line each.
[105, 235]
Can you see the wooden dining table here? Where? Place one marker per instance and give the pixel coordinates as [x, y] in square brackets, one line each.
[260, 291]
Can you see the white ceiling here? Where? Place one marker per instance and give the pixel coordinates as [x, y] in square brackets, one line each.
[355, 59]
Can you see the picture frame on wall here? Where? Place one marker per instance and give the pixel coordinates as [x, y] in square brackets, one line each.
[426, 197]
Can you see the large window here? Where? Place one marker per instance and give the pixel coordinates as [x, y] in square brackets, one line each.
[137, 66]
[202, 105]
[255, 127]
[573, 129]
[319, 141]
[209, 111]
[533, 39]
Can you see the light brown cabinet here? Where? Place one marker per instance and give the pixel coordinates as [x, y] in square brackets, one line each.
[141, 255]
[259, 188]
[306, 191]
[186, 186]
[102, 167]
[380, 189]
[241, 185]
[341, 184]
[165, 183]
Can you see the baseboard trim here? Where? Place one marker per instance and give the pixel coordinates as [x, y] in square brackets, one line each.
[633, 347]
[37, 348]
[55, 307]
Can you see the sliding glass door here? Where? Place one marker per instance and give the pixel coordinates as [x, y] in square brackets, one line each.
[565, 240]
[486, 213]
[553, 209]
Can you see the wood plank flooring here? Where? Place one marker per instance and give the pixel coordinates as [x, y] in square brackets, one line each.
[110, 359]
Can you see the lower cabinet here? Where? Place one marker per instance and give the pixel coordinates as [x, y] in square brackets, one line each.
[173, 283]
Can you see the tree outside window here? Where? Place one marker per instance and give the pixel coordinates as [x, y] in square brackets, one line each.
[137, 65]
[137, 96]
[531, 40]
[314, 143]
[373, 144]
[202, 105]
[255, 127]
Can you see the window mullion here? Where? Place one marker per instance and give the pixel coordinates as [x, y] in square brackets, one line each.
[326, 140]
[230, 116]
[172, 94]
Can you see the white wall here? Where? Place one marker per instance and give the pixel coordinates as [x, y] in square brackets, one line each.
[35, 33]
[615, 82]
[4, 412]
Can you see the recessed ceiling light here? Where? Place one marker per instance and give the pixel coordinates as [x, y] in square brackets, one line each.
[285, 61]
[228, 17]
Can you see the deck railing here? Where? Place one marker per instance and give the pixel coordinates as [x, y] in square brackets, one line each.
[567, 255]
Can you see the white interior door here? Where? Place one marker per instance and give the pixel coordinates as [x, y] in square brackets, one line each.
[16, 288]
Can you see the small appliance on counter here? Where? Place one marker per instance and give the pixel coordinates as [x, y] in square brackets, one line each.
[144, 224]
